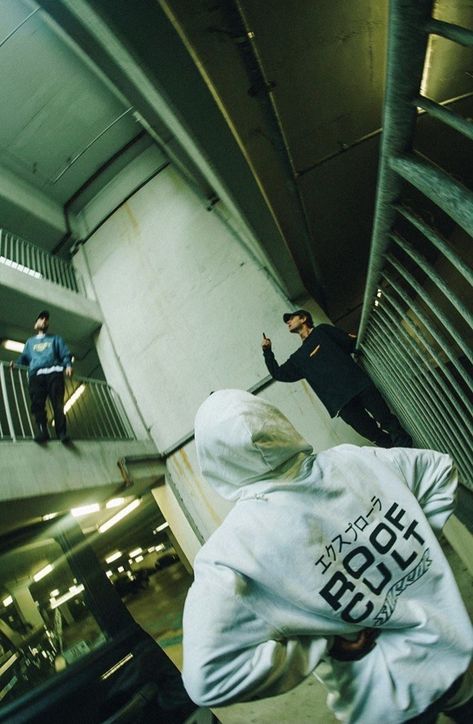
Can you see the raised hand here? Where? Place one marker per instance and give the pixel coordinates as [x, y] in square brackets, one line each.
[266, 343]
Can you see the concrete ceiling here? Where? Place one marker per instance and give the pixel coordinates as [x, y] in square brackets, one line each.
[275, 109]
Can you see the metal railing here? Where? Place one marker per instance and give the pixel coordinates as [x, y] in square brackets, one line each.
[93, 409]
[22, 255]
[416, 330]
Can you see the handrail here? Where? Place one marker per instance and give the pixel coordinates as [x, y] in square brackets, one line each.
[93, 409]
[22, 255]
[416, 330]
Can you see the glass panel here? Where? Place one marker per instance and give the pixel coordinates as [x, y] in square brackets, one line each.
[142, 560]
[45, 623]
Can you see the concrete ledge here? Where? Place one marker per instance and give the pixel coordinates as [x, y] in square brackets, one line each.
[29, 470]
[73, 315]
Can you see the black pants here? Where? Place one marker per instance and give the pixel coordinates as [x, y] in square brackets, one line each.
[41, 387]
[369, 415]
[462, 714]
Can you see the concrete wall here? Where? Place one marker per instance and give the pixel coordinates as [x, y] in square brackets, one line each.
[185, 302]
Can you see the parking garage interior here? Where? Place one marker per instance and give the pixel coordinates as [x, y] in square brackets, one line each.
[174, 177]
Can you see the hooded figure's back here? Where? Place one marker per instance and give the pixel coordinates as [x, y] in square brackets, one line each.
[317, 546]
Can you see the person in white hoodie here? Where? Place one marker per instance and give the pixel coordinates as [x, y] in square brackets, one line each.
[327, 563]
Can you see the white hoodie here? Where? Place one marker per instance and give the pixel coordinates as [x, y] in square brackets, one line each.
[319, 545]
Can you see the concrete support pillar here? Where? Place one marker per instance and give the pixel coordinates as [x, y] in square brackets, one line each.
[66, 613]
[26, 605]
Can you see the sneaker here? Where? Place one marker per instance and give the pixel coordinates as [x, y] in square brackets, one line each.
[42, 435]
[64, 438]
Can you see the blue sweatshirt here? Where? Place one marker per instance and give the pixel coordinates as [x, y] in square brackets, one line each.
[46, 352]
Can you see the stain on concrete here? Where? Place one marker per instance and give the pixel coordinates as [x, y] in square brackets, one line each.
[134, 221]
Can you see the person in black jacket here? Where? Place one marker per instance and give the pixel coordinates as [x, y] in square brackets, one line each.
[324, 360]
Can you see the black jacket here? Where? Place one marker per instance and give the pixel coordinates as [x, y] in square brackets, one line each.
[324, 360]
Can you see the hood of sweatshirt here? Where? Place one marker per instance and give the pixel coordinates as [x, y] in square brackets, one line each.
[242, 440]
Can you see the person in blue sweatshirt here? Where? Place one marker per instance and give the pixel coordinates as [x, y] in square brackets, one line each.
[48, 359]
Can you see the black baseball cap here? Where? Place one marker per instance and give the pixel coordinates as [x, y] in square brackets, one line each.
[43, 314]
[299, 313]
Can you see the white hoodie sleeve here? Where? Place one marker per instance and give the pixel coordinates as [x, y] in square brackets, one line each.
[230, 654]
[431, 476]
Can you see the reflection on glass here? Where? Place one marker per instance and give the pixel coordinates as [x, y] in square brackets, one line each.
[45, 624]
[142, 560]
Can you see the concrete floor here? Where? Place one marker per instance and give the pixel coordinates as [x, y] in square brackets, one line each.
[159, 611]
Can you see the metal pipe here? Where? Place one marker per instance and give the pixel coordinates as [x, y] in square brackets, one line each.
[25, 403]
[431, 305]
[391, 383]
[407, 44]
[400, 384]
[3, 386]
[387, 364]
[434, 331]
[429, 441]
[127, 428]
[446, 432]
[440, 366]
[423, 264]
[383, 377]
[457, 33]
[124, 462]
[109, 418]
[18, 413]
[438, 242]
[445, 115]
[446, 192]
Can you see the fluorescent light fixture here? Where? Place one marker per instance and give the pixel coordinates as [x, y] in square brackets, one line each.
[73, 398]
[13, 346]
[162, 527]
[115, 502]
[161, 547]
[150, 550]
[135, 552]
[50, 516]
[120, 569]
[54, 593]
[20, 267]
[43, 572]
[7, 601]
[109, 574]
[117, 666]
[138, 559]
[9, 662]
[85, 510]
[73, 591]
[118, 516]
[113, 557]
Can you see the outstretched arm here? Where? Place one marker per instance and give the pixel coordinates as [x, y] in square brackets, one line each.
[287, 372]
